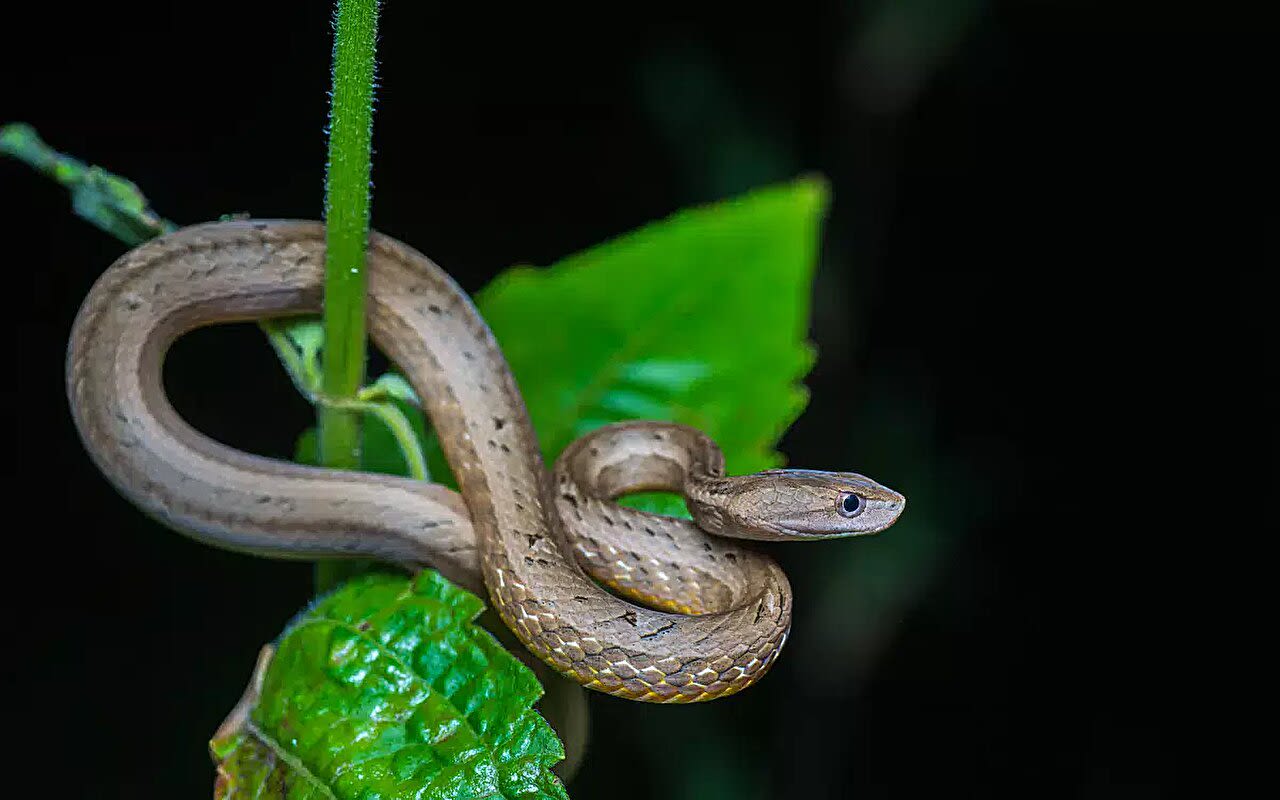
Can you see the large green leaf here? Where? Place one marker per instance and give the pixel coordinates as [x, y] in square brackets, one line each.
[700, 318]
[386, 689]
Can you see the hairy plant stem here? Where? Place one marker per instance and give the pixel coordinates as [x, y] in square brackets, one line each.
[346, 235]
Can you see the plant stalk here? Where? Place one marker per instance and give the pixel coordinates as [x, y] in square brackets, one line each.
[347, 201]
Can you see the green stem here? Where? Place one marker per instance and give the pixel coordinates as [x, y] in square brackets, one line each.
[346, 231]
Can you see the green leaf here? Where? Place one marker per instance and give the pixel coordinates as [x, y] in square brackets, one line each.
[297, 342]
[391, 384]
[386, 689]
[700, 319]
[307, 335]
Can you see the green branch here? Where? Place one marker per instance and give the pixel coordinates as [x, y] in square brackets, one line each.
[113, 204]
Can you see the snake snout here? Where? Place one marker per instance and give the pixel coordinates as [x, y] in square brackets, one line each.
[805, 504]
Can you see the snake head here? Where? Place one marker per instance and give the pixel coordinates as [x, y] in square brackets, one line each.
[805, 504]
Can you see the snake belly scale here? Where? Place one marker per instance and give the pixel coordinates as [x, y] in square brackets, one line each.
[709, 617]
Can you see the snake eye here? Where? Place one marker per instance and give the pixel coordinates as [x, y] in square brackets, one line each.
[850, 504]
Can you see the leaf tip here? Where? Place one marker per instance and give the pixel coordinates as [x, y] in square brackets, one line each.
[814, 191]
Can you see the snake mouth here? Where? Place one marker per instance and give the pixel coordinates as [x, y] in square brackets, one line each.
[793, 533]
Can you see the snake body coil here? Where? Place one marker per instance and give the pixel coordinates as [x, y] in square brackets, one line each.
[523, 534]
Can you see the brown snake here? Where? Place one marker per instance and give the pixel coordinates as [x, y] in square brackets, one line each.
[525, 535]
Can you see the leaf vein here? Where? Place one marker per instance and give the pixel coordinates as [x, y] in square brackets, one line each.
[294, 763]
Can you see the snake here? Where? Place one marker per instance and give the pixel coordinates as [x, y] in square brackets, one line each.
[637, 605]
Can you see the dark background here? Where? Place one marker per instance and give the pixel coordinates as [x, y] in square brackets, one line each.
[1036, 316]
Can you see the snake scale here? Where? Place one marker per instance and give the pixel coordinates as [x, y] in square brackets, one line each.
[690, 617]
